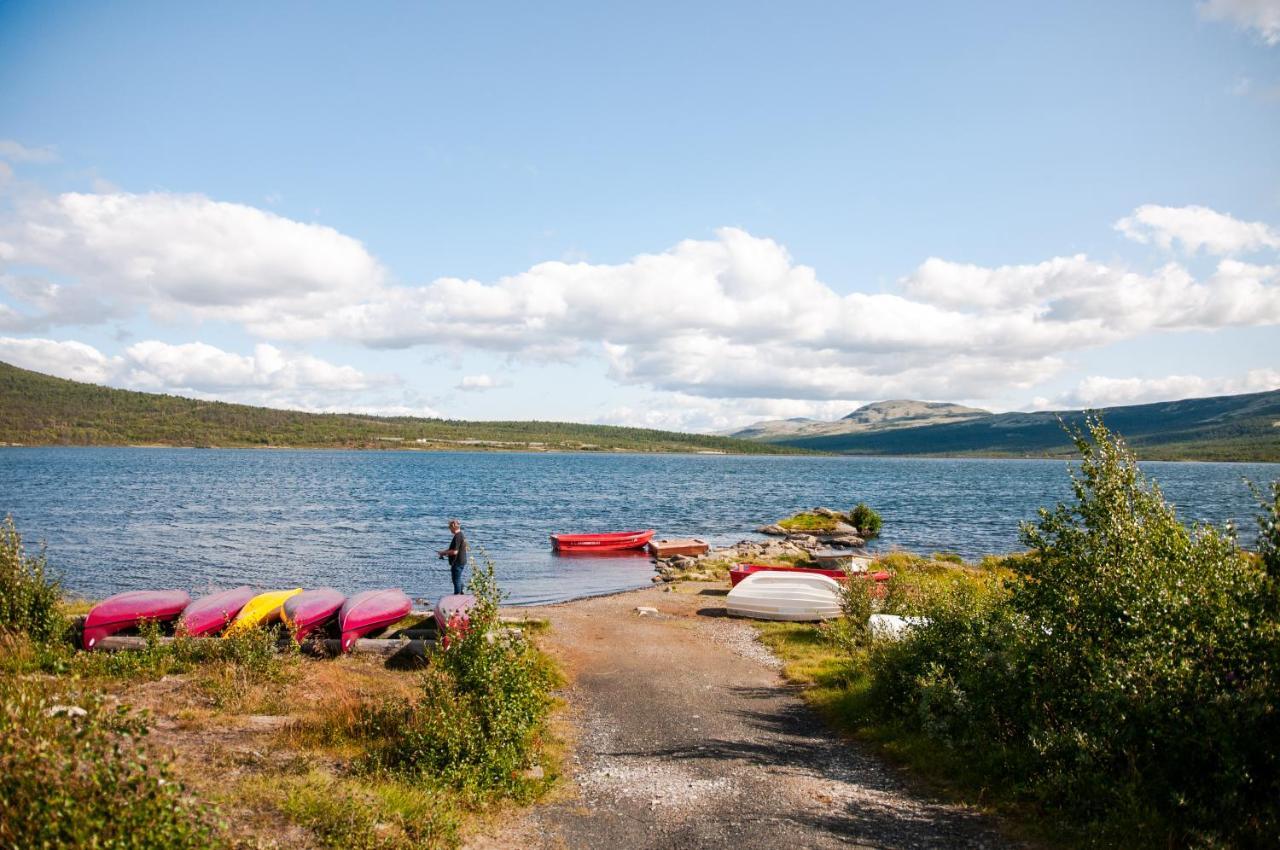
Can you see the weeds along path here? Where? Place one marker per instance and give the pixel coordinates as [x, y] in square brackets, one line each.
[685, 735]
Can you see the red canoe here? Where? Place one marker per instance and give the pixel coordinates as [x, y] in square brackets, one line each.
[126, 610]
[210, 614]
[741, 571]
[369, 611]
[452, 612]
[610, 542]
[310, 610]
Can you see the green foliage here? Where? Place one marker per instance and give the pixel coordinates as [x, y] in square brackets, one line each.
[85, 781]
[477, 721]
[866, 520]
[37, 409]
[29, 595]
[350, 814]
[808, 521]
[1126, 678]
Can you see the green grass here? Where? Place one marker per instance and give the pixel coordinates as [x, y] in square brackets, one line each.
[806, 521]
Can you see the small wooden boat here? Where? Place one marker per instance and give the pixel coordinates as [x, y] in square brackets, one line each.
[841, 559]
[310, 610]
[608, 542]
[790, 595]
[452, 612]
[210, 614]
[129, 609]
[371, 611]
[741, 571]
[684, 546]
[261, 610]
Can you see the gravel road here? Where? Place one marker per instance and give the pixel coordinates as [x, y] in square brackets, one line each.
[686, 736]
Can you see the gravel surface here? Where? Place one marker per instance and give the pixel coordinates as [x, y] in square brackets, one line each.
[686, 736]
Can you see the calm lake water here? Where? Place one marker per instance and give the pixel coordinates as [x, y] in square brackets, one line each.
[119, 519]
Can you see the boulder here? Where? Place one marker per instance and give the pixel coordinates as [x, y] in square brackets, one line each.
[844, 528]
[847, 541]
[827, 512]
[774, 530]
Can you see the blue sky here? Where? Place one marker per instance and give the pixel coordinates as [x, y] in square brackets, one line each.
[685, 215]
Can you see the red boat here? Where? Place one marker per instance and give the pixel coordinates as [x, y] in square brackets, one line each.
[741, 571]
[126, 610]
[370, 611]
[210, 614]
[451, 612]
[310, 610]
[609, 542]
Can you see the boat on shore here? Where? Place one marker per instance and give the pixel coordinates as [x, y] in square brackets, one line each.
[741, 571]
[210, 614]
[128, 610]
[614, 541]
[371, 611]
[679, 546]
[311, 610]
[262, 610]
[788, 595]
[452, 613]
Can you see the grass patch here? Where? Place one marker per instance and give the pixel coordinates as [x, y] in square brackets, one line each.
[806, 521]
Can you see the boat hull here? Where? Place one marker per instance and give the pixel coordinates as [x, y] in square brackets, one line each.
[741, 571]
[671, 548]
[210, 614]
[610, 542]
[452, 613]
[127, 610]
[792, 596]
[310, 610]
[261, 610]
[371, 611]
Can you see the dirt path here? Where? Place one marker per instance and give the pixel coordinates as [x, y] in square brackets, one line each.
[686, 736]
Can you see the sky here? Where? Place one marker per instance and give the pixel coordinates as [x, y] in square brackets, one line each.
[677, 215]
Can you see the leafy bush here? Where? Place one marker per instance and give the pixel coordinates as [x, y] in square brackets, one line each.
[1126, 676]
[72, 780]
[29, 595]
[481, 707]
[866, 520]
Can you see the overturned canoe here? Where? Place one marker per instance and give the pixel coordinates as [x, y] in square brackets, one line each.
[612, 541]
[210, 614]
[310, 610]
[790, 595]
[683, 546]
[370, 611]
[127, 610]
[261, 610]
[741, 571]
[452, 612]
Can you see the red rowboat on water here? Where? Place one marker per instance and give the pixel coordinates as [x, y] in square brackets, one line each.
[608, 542]
[126, 610]
[310, 610]
[741, 571]
[210, 614]
[370, 611]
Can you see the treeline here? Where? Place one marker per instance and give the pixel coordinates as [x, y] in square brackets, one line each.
[37, 409]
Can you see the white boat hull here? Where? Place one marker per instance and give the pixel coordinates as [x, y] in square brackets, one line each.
[796, 597]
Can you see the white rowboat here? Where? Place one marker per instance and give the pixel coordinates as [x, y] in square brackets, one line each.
[785, 596]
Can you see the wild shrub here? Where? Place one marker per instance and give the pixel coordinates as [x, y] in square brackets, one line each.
[29, 593]
[1126, 676]
[480, 710]
[866, 520]
[78, 777]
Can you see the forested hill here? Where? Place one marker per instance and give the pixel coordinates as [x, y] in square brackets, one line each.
[1235, 427]
[37, 409]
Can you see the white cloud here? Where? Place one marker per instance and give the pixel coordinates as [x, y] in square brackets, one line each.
[17, 152]
[479, 383]
[6, 174]
[1100, 391]
[683, 412]
[269, 376]
[1196, 227]
[1262, 16]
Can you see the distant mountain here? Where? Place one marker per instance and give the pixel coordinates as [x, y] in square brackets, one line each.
[879, 416]
[37, 409]
[1236, 427]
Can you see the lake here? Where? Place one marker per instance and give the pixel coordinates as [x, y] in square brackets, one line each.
[127, 518]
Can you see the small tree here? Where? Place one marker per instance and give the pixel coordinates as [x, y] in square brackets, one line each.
[865, 519]
[29, 594]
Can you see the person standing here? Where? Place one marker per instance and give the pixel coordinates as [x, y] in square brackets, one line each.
[456, 553]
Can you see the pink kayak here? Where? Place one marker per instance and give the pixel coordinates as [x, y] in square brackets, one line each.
[452, 612]
[310, 610]
[126, 610]
[210, 614]
[369, 611]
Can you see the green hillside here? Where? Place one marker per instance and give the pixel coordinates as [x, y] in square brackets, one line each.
[1238, 427]
[37, 409]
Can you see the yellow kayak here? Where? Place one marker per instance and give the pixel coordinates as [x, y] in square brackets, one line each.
[260, 610]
